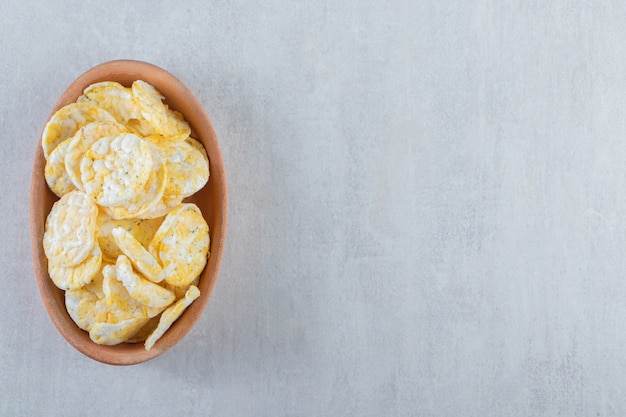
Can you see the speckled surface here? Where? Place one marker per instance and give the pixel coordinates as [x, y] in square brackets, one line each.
[427, 207]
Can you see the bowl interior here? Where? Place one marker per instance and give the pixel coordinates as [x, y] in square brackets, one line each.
[212, 201]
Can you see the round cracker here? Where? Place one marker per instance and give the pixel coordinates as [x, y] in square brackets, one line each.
[114, 98]
[182, 244]
[74, 277]
[147, 197]
[187, 167]
[82, 141]
[55, 171]
[70, 229]
[66, 122]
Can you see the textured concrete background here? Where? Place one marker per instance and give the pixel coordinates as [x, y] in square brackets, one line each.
[427, 207]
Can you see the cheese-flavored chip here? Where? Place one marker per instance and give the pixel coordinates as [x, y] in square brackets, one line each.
[171, 314]
[117, 301]
[56, 174]
[114, 98]
[110, 334]
[70, 229]
[147, 197]
[182, 244]
[169, 124]
[82, 141]
[115, 168]
[138, 254]
[81, 306]
[142, 230]
[66, 122]
[142, 290]
[73, 277]
[187, 168]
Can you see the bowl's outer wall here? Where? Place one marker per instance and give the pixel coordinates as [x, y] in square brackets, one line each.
[212, 201]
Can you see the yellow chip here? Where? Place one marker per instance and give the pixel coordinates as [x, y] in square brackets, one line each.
[70, 229]
[147, 197]
[110, 334]
[117, 304]
[73, 277]
[114, 98]
[171, 314]
[66, 122]
[140, 257]
[118, 316]
[81, 306]
[182, 244]
[142, 229]
[187, 168]
[82, 141]
[169, 124]
[142, 290]
[55, 172]
[115, 168]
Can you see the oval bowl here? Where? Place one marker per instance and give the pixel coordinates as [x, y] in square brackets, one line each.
[212, 201]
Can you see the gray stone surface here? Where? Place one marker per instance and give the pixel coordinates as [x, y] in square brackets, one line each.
[427, 207]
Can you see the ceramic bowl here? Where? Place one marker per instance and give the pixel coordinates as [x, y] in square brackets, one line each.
[212, 201]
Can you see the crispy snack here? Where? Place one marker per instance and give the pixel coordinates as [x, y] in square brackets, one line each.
[115, 168]
[56, 173]
[70, 229]
[142, 290]
[118, 315]
[114, 98]
[66, 122]
[172, 314]
[187, 168]
[182, 244]
[82, 141]
[146, 197]
[142, 230]
[74, 277]
[140, 257]
[169, 125]
[81, 306]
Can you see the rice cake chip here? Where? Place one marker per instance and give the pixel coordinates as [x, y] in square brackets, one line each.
[182, 244]
[142, 290]
[115, 168]
[114, 98]
[110, 334]
[169, 124]
[73, 277]
[118, 315]
[82, 141]
[148, 196]
[138, 254]
[70, 229]
[66, 122]
[81, 306]
[170, 315]
[142, 230]
[187, 168]
[56, 173]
